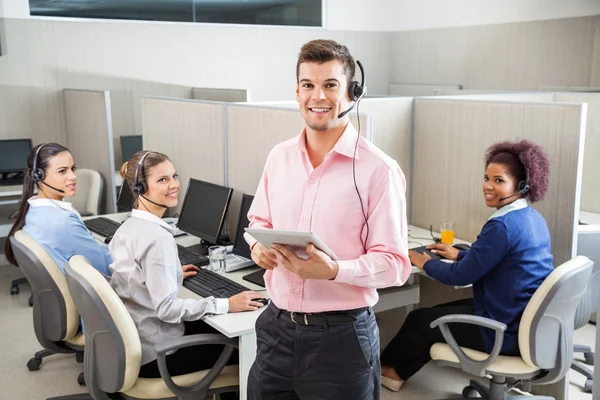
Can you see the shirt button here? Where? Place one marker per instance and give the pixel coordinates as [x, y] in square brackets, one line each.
[295, 290]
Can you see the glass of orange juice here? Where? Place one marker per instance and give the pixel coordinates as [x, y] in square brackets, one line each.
[447, 232]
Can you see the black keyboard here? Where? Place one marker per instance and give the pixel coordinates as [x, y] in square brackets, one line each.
[102, 226]
[423, 250]
[189, 257]
[207, 283]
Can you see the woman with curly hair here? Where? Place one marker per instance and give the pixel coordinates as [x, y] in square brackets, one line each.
[506, 264]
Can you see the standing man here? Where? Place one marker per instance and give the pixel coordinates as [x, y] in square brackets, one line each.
[318, 339]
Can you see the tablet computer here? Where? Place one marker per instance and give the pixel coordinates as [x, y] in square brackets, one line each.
[295, 240]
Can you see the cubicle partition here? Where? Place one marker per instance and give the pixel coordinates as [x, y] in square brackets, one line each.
[223, 95]
[421, 89]
[90, 138]
[590, 192]
[32, 112]
[451, 137]
[191, 133]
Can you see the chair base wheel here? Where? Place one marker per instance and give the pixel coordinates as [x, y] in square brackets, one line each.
[31, 301]
[34, 364]
[14, 289]
[81, 379]
[589, 358]
[470, 392]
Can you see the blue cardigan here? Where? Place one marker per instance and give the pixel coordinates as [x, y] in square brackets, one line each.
[506, 264]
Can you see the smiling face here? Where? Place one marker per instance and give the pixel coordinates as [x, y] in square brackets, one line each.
[60, 173]
[498, 184]
[322, 94]
[163, 184]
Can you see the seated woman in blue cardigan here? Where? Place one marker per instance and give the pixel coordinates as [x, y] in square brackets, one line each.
[506, 264]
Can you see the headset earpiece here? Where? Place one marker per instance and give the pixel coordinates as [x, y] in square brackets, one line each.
[37, 174]
[139, 187]
[355, 89]
[523, 187]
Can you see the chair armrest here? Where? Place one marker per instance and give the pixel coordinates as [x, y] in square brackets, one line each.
[469, 365]
[200, 389]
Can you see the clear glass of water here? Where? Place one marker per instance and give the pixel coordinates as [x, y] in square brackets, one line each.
[217, 256]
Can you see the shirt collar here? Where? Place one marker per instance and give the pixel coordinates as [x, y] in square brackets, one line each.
[37, 202]
[344, 146]
[152, 218]
[514, 206]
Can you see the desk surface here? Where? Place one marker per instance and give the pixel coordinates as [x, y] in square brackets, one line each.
[238, 324]
[589, 218]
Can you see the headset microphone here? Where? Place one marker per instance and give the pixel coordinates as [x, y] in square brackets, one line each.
[140, 188]
[52, 187]
[523, 187]
[356, 91]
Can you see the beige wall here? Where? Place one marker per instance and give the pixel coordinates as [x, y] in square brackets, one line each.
[519, 56]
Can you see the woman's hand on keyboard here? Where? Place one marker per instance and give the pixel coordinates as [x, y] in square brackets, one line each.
[444, 250]
[189, 270]
[243, 301]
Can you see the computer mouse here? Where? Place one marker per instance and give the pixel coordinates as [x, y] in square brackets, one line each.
[108, 239]
[262, 300]
[462, 246]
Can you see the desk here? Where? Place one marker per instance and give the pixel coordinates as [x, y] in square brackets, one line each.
[589, 218]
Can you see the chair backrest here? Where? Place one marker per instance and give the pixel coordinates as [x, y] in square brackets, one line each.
[55, 317]
[588, 244]
[113, 352]
[546, 328]
[89, 192]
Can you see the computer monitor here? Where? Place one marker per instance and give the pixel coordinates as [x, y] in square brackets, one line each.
[13, 155]
[131, 145]
[204, 210]
[125, 201]
[240, 246]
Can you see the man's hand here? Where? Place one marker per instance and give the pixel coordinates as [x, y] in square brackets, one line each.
[318, 265]
[263, 257]
[417, 259]
[189, 270]
[444, 250]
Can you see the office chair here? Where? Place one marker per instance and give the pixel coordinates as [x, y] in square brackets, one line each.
[545, 338]
[587, 245]
[88, 197]
[113, 348]
[55, 318]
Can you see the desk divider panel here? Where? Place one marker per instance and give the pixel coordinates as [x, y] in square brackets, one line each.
[523, 97]
[90, 138]
[252, 131]
[420, 89]
[32, 112]
[191, 133]
[590, 193]
[451, 137]
[224, 95]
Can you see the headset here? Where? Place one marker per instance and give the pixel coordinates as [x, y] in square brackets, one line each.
[522, 188]
[139, 187]
[37, 174]
[356, 91]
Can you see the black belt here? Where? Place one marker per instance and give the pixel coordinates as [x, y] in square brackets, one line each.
[329, 318]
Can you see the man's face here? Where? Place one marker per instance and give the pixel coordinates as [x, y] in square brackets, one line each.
[322, 93]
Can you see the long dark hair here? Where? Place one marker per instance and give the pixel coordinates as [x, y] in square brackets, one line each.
[48, 151]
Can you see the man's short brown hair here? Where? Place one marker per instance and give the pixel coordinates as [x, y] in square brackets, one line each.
[322, 51]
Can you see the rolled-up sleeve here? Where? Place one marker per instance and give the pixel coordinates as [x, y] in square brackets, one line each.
[386, 260]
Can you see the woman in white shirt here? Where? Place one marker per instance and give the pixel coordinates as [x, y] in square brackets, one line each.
[52, 222]
[147, 273]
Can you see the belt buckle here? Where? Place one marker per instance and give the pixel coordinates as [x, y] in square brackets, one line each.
[293, 318]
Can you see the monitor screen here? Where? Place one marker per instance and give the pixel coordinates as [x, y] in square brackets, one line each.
[13, 155]
[240, 243]
[125, 201]
[130, 145]
[204, 210]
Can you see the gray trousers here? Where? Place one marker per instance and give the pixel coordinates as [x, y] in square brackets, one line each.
[314, 362]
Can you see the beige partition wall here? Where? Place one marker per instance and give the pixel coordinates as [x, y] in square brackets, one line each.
[451, 137]
[224, 95]
[32, 112]
[421, 89]
[190, 133]
[590, 192]
[89, 137]
[252, 131]
[526, 97]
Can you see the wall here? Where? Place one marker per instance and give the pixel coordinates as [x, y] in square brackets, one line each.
[520, 56]
[40, 52]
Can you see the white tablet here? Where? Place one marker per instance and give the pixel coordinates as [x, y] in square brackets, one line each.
[296, 240]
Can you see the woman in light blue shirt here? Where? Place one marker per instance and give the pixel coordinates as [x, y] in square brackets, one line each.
[52, 222]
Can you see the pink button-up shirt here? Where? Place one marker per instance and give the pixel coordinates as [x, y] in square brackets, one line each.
[295, 196]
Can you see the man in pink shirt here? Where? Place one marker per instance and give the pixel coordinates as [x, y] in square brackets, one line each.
[318, 339]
